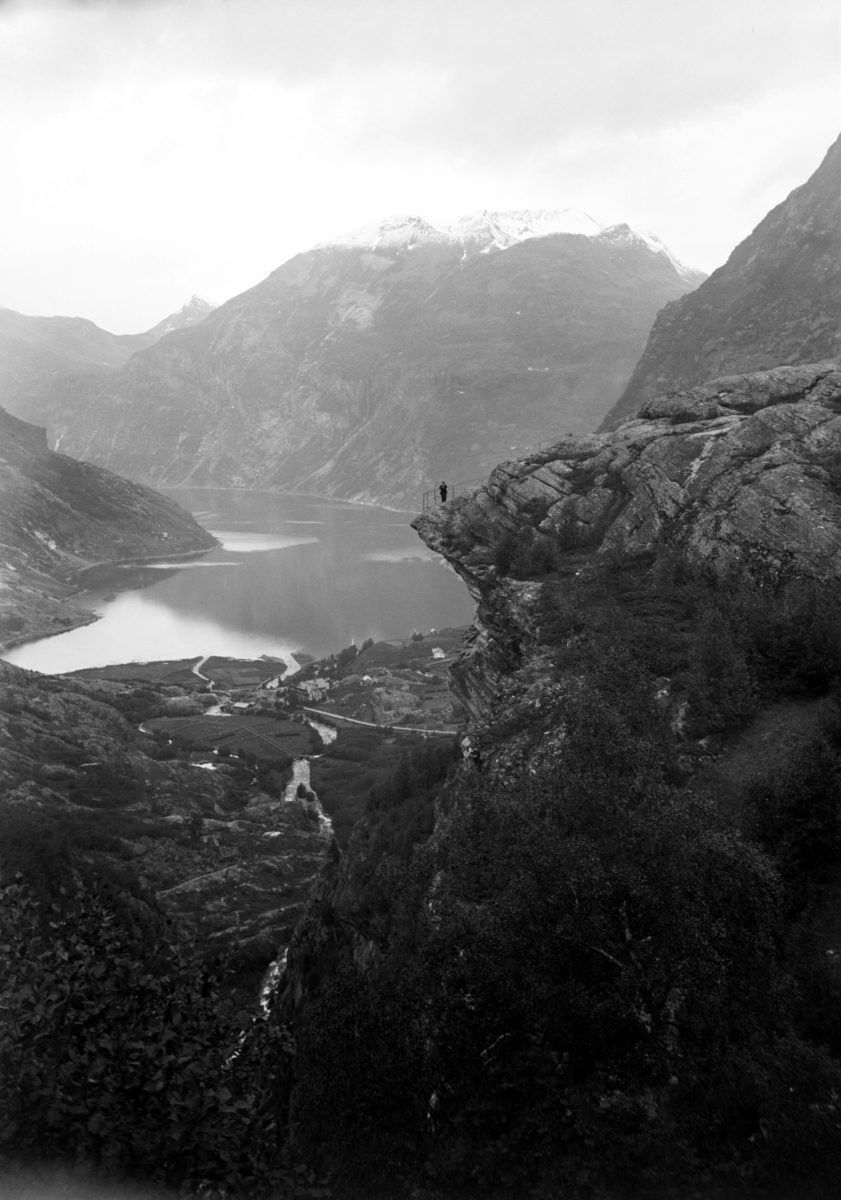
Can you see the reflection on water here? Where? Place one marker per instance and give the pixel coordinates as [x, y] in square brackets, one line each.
[247, 543]
[361, 573]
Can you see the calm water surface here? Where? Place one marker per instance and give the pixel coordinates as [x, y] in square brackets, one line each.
[291, 574]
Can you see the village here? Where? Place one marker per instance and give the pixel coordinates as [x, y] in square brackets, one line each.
[399, 682]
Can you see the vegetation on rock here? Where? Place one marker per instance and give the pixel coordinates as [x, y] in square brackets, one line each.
[594, 972]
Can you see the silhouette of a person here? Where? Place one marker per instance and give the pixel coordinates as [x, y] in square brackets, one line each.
[443, 492]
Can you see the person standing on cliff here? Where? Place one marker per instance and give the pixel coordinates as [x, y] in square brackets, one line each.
[443, 492]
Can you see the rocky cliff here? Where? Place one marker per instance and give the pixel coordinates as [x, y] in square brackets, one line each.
[48, 363]
[370, 367]
[776, 301]
[653, 740]
[58, 517]
[743, 469]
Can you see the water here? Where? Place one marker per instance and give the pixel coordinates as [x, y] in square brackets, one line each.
[292, 574]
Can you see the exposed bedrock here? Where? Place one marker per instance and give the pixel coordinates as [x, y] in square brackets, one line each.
[743, 469]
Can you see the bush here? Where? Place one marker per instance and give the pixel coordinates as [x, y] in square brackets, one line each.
[560, 969]
[128, 1064]
[795, 814]
[504, 551]
[722, 693]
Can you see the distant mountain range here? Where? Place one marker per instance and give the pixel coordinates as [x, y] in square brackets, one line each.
[486, 231]
[48, 363]
[775, 302]
[385, 360]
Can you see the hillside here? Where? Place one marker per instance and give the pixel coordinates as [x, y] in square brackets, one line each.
[776, 301]
[48, 363]
[373, 366]
[628, 887]
[59, 517]
[600, 948]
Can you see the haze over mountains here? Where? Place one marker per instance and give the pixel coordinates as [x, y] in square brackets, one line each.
[776, 301]
[48, 363]
[384, 360]
[59, 517]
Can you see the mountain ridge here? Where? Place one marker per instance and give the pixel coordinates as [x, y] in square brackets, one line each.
[365, 374]
[486, 231]
[44, 359]
[776, 301]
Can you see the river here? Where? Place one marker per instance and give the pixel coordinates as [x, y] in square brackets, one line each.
[292, 573]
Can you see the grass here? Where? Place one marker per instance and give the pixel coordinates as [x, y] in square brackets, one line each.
[264, 737]
[358, 761]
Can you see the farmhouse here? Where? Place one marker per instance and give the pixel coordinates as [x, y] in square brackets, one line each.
[312, 689]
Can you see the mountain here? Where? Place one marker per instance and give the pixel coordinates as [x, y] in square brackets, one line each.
[394, 356]
[47, 361]
[584, 924]
[59, 517]
[776, 301]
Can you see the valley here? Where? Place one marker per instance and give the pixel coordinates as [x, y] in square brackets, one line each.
[368, 372]
[492, 854]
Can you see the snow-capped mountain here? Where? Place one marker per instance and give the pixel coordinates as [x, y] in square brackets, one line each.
[486, 231]
[483, 231]
[402, 231]
[499, 230]
[627, 234]
[403, 351]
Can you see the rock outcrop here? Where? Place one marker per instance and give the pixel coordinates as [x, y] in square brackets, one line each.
[776, 301]
[369, 368]
[59, 517]
[744, 469]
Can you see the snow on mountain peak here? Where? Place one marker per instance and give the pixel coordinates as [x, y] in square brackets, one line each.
[488, 231]
[197, 304]
[402, 231]
[502, 229]
[642, 237]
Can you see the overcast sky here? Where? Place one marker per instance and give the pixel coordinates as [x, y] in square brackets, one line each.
[150, 149]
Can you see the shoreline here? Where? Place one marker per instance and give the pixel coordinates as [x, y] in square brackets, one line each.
[271, 492]
[87, 616]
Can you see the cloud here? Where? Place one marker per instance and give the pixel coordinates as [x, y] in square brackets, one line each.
[153, 148]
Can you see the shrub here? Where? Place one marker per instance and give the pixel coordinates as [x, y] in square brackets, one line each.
[504, 551]
[722, 693]
[795, 814]
[129, 1064]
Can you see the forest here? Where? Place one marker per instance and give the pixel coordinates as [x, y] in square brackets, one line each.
[595, 971]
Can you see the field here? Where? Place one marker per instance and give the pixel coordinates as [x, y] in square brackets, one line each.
[350, 767]
[232, 673]
[226, 673]
[264, 737]
[170, 672]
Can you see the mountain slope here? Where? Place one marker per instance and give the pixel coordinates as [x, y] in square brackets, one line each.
[588, 928]
[59, 516]
[46, 361]
[400, 353]
[777, 300]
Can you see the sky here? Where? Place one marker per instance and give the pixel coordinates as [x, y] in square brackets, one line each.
[152, 149]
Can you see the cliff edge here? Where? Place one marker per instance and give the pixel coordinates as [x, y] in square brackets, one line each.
[745, 469]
